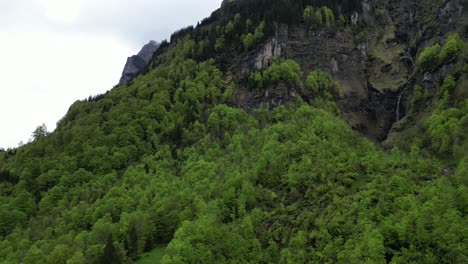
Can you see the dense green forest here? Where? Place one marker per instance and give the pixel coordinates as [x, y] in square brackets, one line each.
[169, 161]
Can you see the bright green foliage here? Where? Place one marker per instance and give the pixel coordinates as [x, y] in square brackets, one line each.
[451, 48]
[237, 18]
[248, 24]
[449, 84]
[229, 28]
[448, 125]
[39, 132]
[258, 35]
[251, 39]
[248, 41]
[321, 16]
[317, 20]
[419, 95]
[287, 71]
[341, 21]
[321, 83]
[154, 257]
[328, 16]
[448, 130]
[209, 241]
[219, 45]
[379, 13]
[360, 37]
[166, 161]
[436, 55]
[429, 55]
[308, 14]
[238, 188]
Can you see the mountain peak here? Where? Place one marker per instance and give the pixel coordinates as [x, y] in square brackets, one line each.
[135, 64]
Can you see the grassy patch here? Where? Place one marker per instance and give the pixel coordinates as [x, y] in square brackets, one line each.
[153, 257]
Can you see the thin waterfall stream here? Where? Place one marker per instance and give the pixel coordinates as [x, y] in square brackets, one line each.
[398, 106]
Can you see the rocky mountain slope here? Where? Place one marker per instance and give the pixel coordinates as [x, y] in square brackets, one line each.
[372, 56]
[275, 131]
[137, 63]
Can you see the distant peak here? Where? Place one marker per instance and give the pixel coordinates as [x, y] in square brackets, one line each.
[147, 51]
[137, 63]
[226, 1]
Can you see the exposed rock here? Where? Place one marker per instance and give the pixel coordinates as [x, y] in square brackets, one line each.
[137, 63]
[271, 50]
[451, 8]
[427, 77]
[147, 51]
[225, 2]
[386, 67]
[376, 73]
[366, 8]
[363, 47]
[354, 18]
[334, 65]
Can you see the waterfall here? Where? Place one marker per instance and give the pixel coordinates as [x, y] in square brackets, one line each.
[398, 106]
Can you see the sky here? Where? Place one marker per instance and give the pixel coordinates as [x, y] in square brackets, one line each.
[54, 52]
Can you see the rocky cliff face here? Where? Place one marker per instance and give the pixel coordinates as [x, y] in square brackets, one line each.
[137, 63]
[372, 57]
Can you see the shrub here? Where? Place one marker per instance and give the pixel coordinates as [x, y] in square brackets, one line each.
[248, 41]
[436, 55]
[308, 14]
[316, 19]
[449, 84]
[229, 28]
[429, 55]
[258, 35]
[453, 45]
[379, 13]
[321, 83]
[288, 71]
[361, 37]
[328, 16]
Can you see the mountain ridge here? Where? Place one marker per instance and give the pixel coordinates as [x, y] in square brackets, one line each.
[137, 63]
[246, 140]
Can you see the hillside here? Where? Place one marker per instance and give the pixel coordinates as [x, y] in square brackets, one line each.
[274, 131]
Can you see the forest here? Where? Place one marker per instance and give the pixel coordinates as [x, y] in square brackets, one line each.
[169, 162]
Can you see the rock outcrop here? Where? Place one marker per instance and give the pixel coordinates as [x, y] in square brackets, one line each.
[373, 58]
[137, 63]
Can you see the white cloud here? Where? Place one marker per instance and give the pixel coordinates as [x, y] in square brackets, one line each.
[52, 53]
[62, 11]
[43, 74]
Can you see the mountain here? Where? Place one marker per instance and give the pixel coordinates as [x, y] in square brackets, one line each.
[274, 131]
[373, 57]
[137, 63]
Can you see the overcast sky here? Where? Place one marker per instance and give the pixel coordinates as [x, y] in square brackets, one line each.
[54, 52]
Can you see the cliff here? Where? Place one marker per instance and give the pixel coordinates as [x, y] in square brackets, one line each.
[137, 63]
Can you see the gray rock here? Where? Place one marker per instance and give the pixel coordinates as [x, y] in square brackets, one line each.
[148, 50]
[334, 65]
[271, 51]
[354, 18]
[451, 8]
[137, 63]
[225, 2]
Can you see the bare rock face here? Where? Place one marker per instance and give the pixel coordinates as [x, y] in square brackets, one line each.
[225, 2]
[376, 73]
[452, 8]
[147, 51]
[271, 50]
[137, 63]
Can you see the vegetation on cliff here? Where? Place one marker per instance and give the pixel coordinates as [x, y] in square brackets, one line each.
[169, 161]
